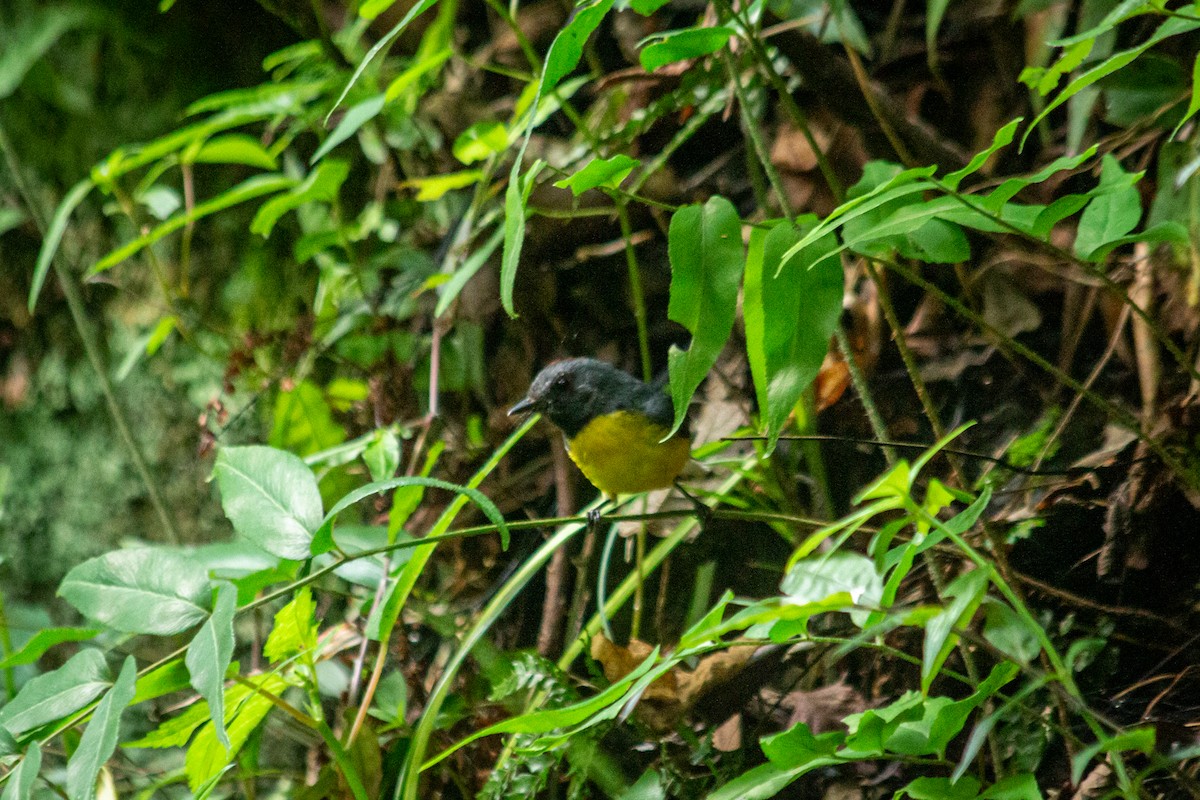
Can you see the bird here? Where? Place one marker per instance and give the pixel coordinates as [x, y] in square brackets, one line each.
[615, 426]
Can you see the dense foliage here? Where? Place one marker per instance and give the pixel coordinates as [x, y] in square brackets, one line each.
[920, 282]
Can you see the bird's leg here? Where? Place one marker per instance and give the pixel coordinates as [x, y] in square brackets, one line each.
[704, 514]
[593, 516]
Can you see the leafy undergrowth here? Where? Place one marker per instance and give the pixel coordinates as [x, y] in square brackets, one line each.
[923, 282]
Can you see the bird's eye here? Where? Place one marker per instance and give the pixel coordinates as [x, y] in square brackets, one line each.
[562, 382]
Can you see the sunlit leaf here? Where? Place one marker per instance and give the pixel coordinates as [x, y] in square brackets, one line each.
[150, 590]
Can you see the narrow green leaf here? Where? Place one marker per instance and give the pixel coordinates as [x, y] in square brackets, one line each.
[24, 775]
[146, 590]
[207, 757]
[1194, 103]
[647, 7]
[801, 306]
[32, 33]
[43, 640]
[567, 47]
[435, 186]
[1138, 739]
[515, 198]
[54, 695]
[704, 244]
[54, 234]
[235, 148]
[355, 118]
[682, 45]
[99, 739]
[935, 10]
[1119, 13]
[248, 189]
[271, 498]
[752, 312]
[170, 677]
[764, 781]
[209, 654]
[418, 9]
[599, 172]
[321, 186]
[458, 281]
[1002, 139]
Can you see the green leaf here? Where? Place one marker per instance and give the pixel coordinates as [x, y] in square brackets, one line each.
[99, 739]
[682, 45]
[515, 198]
[209, 654]
[839, 574]
[321, 186]
[1139, 739]
[458, 281]
[207, 757]
[149, 590]
[295, 629]
[435, 186]
[1023, 786]
[599, 172]
[801, 303]
[939, 788]
[968, 591]
[707, 260]
[34, 30]
[358, 115]
[54, 234]
[388, 38]
[43, 640]
[10, 218]
[170, 677]
[271, 498]
[481, 140]
[567, 47]
[1194, 103]
[935, 10]
[24, 775]
[1002, 139]
[235, 148]
[55, 695]
[798, 746]
[248, 189]
[647, 7]
[764, 781]
[1112, 213]
[406, 83]
[382, 455]
[303, 422]
[1009, 633]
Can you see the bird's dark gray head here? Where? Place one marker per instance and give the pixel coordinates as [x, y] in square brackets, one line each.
[575, 391]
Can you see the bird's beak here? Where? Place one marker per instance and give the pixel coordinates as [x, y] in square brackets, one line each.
[525, 405]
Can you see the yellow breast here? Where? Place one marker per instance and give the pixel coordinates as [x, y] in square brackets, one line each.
[620, 453]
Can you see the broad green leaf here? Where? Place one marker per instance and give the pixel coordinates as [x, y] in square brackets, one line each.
[54, 695]
[235, 148]
[515, 198]
[207, 757]
[840, 574]
[54, 234]
[248, 189]
[160, 201]
[801, 302]
[481, 140]
[1138, 739]
[43, 640]
[798, 746]
[647, 7]
[1162, 232]
[967, 591]
[321, 186]
[1023, 786]
[271, 498]
[417, 9]
[1009, 633]
[358, 115]
[303, 422]
[1112, 213]
[599, 172]
[681, 45]
[707, 260]
[382, 455]
[8, 745]
[209, 654]
[295, 629]
[436, 186]
[24, 775]
[938, 242]
[567, 47]
[99, 739]
[149, 590]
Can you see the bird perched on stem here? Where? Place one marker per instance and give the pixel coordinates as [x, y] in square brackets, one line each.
[613, 423]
